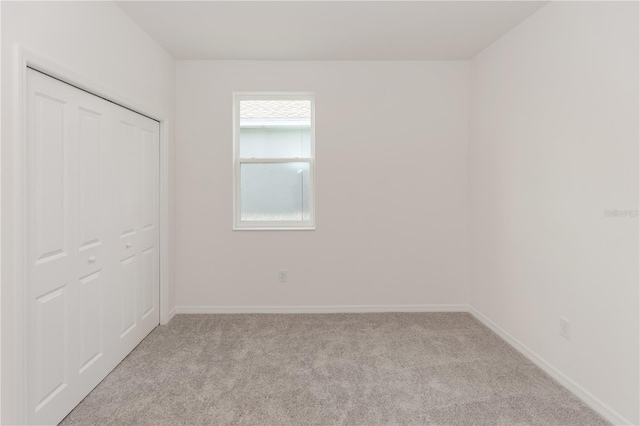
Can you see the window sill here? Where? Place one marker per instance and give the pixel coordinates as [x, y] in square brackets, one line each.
[274, 228]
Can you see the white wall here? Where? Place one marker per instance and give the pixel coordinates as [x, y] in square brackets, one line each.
[391, 181]
[100, 42]
[554, 142]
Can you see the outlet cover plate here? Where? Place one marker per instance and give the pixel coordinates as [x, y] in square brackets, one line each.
[565, 328]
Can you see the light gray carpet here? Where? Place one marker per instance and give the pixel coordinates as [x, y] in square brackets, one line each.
[329, 369]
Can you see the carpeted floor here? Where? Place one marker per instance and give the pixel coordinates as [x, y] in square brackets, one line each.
[329, 369]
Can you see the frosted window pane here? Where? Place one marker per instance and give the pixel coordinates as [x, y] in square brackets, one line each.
[275, 129]
[274, 192]
[275, 142]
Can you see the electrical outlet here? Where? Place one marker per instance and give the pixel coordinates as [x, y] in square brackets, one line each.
[282, 275]
[565, 328]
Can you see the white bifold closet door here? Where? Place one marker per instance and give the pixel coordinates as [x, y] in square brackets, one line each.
[92, 241]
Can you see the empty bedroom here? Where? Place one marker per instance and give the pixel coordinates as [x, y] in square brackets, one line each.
[319, 213]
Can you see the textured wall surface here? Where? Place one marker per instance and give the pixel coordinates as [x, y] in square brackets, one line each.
[554, 145]
[391, 187]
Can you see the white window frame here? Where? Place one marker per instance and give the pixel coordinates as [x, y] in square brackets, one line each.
[239, 224]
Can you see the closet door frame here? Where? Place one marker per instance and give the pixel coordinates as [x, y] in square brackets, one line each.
[17, 338]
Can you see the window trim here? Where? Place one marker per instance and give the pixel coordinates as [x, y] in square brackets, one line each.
[239, 225]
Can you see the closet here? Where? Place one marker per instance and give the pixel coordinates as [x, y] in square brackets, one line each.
[92, 241]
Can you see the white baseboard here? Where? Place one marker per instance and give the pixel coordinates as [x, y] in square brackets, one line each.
[588, 398]
[172, 313]
[317, 309]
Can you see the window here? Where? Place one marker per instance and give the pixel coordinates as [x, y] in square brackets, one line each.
[273, 161]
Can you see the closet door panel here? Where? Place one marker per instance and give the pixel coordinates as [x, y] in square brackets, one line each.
[149, 236]
[127, 212]
[94, 241]
[136, 205]
[51, 205]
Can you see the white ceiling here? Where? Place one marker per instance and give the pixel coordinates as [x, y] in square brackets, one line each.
[327, 30]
